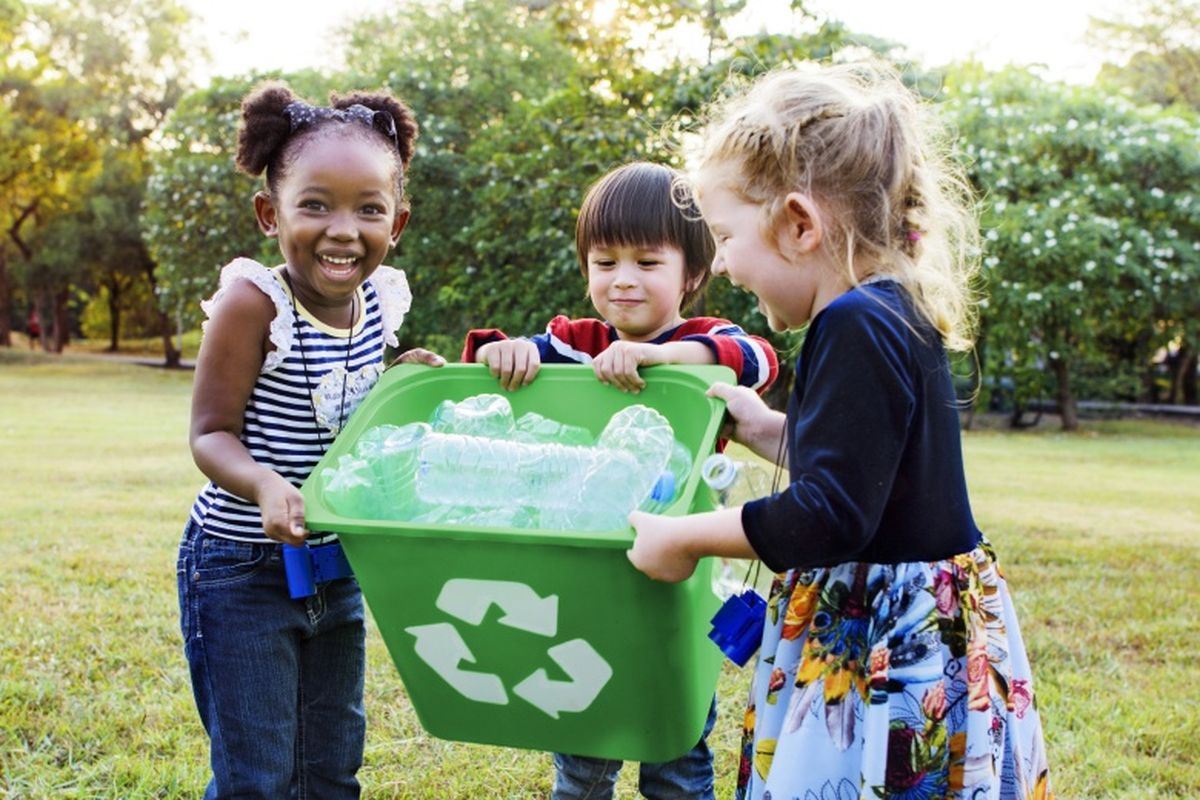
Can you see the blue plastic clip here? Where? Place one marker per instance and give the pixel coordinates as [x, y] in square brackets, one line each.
[308, 567]
[738, 626]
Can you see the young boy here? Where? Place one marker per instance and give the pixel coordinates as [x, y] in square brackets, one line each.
[646, 259]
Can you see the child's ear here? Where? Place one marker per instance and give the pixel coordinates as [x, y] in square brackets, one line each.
[398, 223]
[266, 214]
[803, 229]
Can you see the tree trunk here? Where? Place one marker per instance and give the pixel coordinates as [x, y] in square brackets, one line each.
[114, 317]
[62, 333]
[1183, 382]
[171, 354]
[1066, 400]
[5, 304]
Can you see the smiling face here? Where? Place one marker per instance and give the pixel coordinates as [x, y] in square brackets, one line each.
[784, 266]
[336, 214]
[637, 288]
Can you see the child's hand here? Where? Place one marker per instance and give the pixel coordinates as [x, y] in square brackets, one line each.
[618, 365]
[659, 550]
[514, 362]
[282, 508]
[418, 355]
[753, 423]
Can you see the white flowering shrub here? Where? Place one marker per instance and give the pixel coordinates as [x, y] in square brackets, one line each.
[1090, 217]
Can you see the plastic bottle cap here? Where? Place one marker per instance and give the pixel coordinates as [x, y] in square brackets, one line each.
[664, 488]
[719, 471]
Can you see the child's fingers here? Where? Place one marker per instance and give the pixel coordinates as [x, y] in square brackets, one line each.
[419, 355]
[619, 368]
[533, 363]
[296, 527]
[283, 521]
[722, 391]
[517, 367]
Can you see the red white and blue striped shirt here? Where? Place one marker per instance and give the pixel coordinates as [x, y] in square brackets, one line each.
[578, 341]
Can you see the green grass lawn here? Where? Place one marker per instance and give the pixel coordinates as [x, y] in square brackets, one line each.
[1099, 533]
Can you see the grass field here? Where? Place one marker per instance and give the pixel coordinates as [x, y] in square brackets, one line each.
[1099, 533]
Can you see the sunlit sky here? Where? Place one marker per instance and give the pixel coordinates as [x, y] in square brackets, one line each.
[265, 34]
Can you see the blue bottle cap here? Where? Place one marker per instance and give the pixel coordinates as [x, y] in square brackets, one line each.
[664, 488]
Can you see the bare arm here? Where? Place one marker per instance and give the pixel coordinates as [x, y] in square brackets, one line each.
[668, 548]
[230, 358]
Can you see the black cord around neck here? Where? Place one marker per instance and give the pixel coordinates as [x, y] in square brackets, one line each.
[312, 404]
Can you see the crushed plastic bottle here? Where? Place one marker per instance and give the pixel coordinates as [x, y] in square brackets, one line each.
[733, 483]
[473, 465]
[488, 415]
[583, 488]
[533, 427]
[350, 487]
[671, 481]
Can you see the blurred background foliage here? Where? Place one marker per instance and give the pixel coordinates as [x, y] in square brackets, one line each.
[120, 200]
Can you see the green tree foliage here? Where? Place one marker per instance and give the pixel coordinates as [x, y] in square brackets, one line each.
[522, 107]
[1091, 229]
[198, 212]
[1156, 44]
[81, 80]
[98, 242]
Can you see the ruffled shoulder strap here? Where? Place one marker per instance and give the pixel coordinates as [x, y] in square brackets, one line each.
[395, 300]
[282, 326]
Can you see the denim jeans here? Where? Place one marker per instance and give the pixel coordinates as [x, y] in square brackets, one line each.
[689, 777]
[278, 682]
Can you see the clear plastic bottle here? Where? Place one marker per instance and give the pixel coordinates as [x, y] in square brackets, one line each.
[394, 467]
[733, 483]
[566, 486]
[474, 466]
[583, 488]
[350, 488]
[672, 481]
[533, 427]
[488, 415]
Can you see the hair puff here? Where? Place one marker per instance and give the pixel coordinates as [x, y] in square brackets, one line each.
[264, 128]
[406, 123]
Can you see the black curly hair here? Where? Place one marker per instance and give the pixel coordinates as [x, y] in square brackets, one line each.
[267, 142]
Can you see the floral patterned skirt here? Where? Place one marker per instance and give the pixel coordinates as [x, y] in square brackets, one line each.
[893, 681]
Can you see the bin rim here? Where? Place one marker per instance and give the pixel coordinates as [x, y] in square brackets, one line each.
[320, 519]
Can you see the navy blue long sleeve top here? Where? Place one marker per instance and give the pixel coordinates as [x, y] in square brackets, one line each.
[874, 449]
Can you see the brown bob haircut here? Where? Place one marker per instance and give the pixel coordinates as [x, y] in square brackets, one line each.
[646, 205]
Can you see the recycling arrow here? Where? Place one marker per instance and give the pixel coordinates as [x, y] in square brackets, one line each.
[589, 673]
[441, 647]
[469, 601]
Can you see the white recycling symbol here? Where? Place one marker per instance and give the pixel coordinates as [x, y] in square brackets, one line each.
[442, 647]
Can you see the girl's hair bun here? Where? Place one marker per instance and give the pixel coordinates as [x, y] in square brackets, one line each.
[406, 123]
[264, 128]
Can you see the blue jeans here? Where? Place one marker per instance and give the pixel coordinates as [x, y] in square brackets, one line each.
[689, 777]
[278, 682]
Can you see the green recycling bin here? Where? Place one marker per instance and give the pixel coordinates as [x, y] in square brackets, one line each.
[547, 640]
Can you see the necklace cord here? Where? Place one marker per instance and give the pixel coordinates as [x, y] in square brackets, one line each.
[751, 577]
[312, 404]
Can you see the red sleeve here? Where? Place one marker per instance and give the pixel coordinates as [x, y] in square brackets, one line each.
[478, 338]
[752, 358]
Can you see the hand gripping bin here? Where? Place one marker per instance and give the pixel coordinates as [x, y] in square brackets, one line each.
[547, 640]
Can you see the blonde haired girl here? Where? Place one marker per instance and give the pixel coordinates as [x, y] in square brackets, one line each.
[891, 665]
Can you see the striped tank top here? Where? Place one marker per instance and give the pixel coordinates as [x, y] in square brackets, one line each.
[290, 419]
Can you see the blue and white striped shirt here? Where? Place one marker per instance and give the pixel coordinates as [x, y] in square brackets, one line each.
[290, 420]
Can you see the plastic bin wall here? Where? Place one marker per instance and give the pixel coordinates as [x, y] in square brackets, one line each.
[547, 640]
